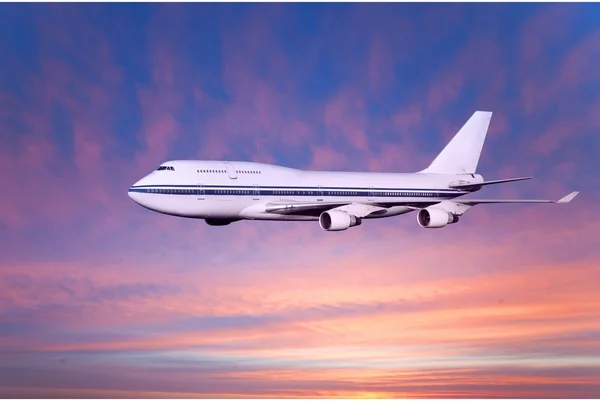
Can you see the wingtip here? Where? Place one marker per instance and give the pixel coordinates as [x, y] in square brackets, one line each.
[568, 198]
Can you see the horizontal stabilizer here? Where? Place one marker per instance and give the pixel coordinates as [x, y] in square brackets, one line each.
[473, 202]
[469, 185]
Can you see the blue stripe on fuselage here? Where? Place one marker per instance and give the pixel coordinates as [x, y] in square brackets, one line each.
[228, 190]
[298, 188]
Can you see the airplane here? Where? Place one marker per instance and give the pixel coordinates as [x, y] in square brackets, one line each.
[223, 192]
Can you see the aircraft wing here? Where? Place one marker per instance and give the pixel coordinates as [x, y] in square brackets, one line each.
[316, 208]
[472, 202]
[354, 208]
[365, 209]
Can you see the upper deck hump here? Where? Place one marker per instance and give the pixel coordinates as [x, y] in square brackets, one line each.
[271, 174]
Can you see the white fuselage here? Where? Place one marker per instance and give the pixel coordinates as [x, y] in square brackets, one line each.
[218, 190]
[222, 192]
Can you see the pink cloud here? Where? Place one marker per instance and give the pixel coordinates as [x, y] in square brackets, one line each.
[446, 88]
[542, 88]
[498, 127]
[86, 101]
[345, 119]
[31, 164]
[469, 67]
[324, 158]
[547, 27]
[578, 67]
[405, 119]
[391, 159]
[380, 65]
[423, 302]
[338, 312]
[559, 132]
[262, 111]
[159, 103]
[160, 129]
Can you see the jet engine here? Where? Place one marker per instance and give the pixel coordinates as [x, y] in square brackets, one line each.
[432, 217]
[336, 220]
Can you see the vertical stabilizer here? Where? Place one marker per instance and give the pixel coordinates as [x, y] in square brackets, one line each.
[461, 154]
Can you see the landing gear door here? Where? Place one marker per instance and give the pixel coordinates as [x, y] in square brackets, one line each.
[230, 171]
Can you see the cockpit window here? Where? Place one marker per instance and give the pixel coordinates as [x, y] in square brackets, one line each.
[166, 168]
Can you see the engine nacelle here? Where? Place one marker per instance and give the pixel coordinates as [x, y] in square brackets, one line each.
[435, 218]
[336, 220]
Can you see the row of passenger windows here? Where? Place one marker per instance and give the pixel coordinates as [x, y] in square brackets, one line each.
[297, 192]
[426, 194]
[224, 171]
[171, 191]
[234, 192]
[353, 193]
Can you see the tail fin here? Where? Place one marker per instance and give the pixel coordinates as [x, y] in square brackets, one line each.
[461, 154]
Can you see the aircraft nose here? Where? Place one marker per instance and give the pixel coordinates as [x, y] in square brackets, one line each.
[134, 191]
[133, 195]
[138, 191]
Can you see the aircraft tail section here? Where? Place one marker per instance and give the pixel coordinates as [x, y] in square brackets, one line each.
[461, 154]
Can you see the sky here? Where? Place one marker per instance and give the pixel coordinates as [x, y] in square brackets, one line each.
[102, 298]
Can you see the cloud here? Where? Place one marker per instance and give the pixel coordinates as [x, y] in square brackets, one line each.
[380, 66]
